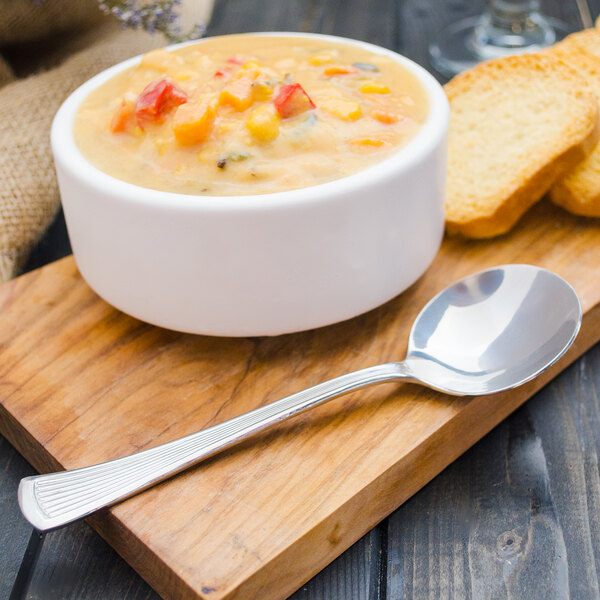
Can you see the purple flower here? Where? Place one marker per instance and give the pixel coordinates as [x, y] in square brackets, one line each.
[152, 16]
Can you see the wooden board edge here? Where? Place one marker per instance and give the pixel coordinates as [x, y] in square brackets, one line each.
[26, 444]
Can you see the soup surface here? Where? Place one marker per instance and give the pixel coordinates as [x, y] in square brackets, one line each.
[241, 114]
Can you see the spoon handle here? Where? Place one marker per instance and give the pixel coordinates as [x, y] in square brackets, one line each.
[57, 499]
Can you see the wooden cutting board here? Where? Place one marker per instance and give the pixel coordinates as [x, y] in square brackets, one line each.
[81, 382]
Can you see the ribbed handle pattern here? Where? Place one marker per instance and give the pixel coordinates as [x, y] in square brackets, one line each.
[54, 500]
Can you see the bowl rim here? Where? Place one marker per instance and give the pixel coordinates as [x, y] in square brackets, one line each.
[432, 132]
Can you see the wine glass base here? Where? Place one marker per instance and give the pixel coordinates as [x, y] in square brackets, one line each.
[469, 41]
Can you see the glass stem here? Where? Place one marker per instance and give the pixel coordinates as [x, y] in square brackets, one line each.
[511, 25]
[512, 15]
[506, 27]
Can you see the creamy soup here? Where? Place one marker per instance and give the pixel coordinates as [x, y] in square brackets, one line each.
[238, 115]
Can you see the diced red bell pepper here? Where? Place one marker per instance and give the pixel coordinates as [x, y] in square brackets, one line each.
[235, 60]
[224, 72]
[292, 100]
[157, 100]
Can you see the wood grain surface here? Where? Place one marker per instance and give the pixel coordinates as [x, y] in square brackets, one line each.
[428, 547]
[82, 383]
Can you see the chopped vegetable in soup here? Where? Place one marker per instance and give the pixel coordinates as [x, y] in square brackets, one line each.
[242, 114]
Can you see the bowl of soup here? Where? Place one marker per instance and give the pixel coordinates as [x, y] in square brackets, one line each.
[254, 184]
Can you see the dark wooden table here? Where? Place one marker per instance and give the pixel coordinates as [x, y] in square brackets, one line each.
[518, 516]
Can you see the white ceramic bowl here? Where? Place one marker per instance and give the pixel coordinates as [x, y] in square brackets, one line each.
[262, 264]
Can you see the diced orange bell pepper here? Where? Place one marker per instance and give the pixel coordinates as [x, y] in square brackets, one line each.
[384, 116]
[368, 143]
[193, 122]
[158, 99]
[292, 100]
[339, 70]
[238, 94]
[123, 116]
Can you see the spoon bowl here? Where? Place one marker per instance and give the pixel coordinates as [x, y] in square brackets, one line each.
[486, 333]
[494, 330]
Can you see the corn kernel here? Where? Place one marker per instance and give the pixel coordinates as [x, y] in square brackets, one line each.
[263, 123]
[261, 91]
[183, 75]
[372, 87]
[162, 146]
[251, 64]
[341, 108]
[319, 59]
[249, 74]
[372, 142]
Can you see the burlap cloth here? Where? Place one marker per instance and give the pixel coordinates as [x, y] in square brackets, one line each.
[63, 43]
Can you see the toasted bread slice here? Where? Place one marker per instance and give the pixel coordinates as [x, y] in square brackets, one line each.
[516, 125]
[587, 40]
[578, 191]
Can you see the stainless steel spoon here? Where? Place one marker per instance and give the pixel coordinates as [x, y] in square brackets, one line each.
[489, 332]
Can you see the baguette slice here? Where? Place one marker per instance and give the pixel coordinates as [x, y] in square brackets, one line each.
[578, 191]
[516, 125]
[587, 40]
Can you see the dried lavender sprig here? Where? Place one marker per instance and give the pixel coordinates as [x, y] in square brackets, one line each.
[152, 16]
